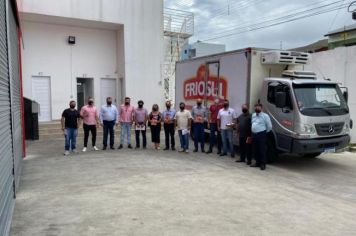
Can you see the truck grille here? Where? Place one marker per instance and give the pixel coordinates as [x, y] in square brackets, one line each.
[329, 129]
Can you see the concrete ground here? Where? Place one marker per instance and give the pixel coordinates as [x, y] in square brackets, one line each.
[135, 192]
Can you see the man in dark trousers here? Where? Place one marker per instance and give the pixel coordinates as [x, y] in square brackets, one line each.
[200, 115]
[261, 125]
[108, 119]
[215, 137]
[244, 130]
[168, 125]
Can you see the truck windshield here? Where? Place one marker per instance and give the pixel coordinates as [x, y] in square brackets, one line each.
[320, 99]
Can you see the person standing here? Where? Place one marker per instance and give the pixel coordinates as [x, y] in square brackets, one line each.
[126, 114]
[226, 123]
[108, 119]
[213, 127]
[261, 125]
[155, 124]
[90, 117]
[200, 115]
[140, 117]
[183, 122]
[244, 130]
[70, 122]
[168, 125]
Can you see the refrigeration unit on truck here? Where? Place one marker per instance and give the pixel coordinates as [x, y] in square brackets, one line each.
[309, 115]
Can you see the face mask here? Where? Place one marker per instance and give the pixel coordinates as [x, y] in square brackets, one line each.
[181, 107]
[140, 105]
[90, 103]
[244, 110]
[226, 105]
[257, 110]
[168, 106]
[199, 103]
[155, 109]
[72, 106]
[109, 103]
[127, 103]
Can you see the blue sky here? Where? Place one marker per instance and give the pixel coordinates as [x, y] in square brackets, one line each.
[225, 21]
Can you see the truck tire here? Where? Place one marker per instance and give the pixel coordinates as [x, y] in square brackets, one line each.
[272, 152]
[312, 155]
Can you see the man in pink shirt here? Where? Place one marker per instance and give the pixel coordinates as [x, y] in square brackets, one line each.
[126, 117]
[90, 118]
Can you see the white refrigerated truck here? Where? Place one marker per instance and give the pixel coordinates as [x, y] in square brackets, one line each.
[309, 115]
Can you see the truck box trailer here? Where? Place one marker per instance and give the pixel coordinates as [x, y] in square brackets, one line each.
[309, 115]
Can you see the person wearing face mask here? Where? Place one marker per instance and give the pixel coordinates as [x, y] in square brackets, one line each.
[244, 130]
[213, 126]
[168, 125]
[226, 123]
[90, 117]
[200, 115]
[140, 117]
[261, 125]
[126, 117]
[108, 120]
[155, 118]
[183, 122]
[70, 122]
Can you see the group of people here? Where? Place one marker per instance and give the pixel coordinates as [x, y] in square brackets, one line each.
[221, 120]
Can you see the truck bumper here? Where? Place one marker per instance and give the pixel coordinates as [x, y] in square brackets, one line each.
[304, 146]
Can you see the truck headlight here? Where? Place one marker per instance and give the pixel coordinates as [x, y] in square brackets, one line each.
[307, 129]
[346, 128]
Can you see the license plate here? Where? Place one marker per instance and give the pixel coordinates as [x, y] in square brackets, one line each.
[329, 150]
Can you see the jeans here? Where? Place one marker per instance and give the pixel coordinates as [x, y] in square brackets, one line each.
[125, 130]
[226, 138]
[92, 129]
[245, 150]
[144, 139]
[184, 140]
[109, 129]
[169, 132]
[70, 138]
[259, 142]
[199, 136]
[212, 139]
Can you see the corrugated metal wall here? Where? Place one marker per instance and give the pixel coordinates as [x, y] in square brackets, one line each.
[10, 114]
[16, 100]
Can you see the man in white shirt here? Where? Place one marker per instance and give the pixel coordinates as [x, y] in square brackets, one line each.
[183, 120]
[226, 122]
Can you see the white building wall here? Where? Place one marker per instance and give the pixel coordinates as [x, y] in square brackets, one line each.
[137, 51]
[339, 65]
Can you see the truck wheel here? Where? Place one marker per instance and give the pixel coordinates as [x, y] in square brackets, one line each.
[312, 155]
[272, 152]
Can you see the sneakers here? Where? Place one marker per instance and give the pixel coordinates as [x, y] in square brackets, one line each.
[66, 153]
[186, 151]
[95, 148]
[84, 149]
[181, 150]
[75, 151]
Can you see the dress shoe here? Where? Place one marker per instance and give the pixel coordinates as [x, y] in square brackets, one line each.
[219, 152]
[262, 166]
[173, 148]
[195, 150]
[165, 149]
[209, 151]
[239, 160]
[129, 146]
[232, 156]
[223, 154]
[120, 147]
[104, 148]
[112, 148]
[248, 163]
[203, 151]
[254, 165]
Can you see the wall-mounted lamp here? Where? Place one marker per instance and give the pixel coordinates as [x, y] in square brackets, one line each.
[71, 40]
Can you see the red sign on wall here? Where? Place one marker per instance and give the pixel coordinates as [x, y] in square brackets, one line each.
[197, 87]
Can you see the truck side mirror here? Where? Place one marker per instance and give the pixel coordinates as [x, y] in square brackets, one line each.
[281, 99]
[346, 95]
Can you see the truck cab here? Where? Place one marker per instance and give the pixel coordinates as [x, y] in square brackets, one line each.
[309, 116]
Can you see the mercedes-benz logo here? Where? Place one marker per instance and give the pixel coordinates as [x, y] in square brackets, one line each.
[331, 129]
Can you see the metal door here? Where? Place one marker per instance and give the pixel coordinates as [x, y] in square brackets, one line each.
[6, 161]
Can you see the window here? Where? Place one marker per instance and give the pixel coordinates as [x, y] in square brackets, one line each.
[273, 88]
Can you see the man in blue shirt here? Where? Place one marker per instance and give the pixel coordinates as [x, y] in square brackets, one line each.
[108, 118]
[168, 125]
[260, 126]
[200, 116]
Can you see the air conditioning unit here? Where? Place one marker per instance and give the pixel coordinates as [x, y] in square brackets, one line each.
[285, 58]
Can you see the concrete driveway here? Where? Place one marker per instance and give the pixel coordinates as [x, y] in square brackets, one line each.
[136, 192]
